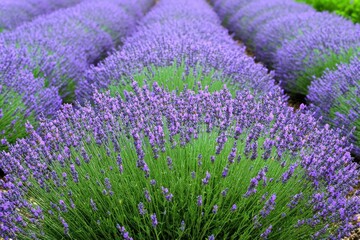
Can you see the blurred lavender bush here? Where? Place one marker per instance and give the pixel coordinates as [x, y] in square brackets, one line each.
[62, 45]
[183, 32]
[291, 38]
[15, 12]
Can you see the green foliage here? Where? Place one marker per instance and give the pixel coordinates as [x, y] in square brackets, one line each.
[175, 78]
[200, 221]
[14, 116]
[347, 8]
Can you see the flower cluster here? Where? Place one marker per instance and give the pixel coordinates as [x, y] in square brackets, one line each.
[299, 44]
[62, 45]
[335, 98]
[188, 33]
[14, 13]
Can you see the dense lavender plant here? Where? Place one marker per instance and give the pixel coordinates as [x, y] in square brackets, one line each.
[173, 31]
[335, 97]
[295, 177]
[309, 54]
[297, 47]
[248, 20]
[15, 12]
[22, 97]
[272, 35]
[62, 45]
[227, 8]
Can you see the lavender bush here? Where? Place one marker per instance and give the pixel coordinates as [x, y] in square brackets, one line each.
[335, 97]
[299, 45]
[271, 36]
[297, 61]
[15, 12]
[22, 97]
[247, 21]
[227, 8]
[180, 31]
[180, 156]
[62, 45]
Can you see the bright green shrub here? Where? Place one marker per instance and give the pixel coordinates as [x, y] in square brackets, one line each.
[346, 8]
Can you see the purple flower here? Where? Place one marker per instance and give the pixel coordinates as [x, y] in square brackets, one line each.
[182, 227]
[267, 232]
[169, 162]
[107, 183]
[287, 175]
[74, 173]
[153, 182]
[119, 163]
[154, 220]
[93, 205]
[224, 192]
[215, 209]
[164, 190]
[199, 201]
[233, 208]
[63, 206]
[65, 225]
[252, 188]
[225, 172]
[147, 195]
[141, 208]
[269, 206]
[169, 197]
[205, 180]
[124, 233]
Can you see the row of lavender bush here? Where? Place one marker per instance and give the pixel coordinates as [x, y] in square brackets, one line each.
[15, 12]
[62, 45]
[187, 164]
[305, 48]
[45, 58]
[194, 38]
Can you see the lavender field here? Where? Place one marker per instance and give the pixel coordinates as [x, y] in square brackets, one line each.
[179, 119]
